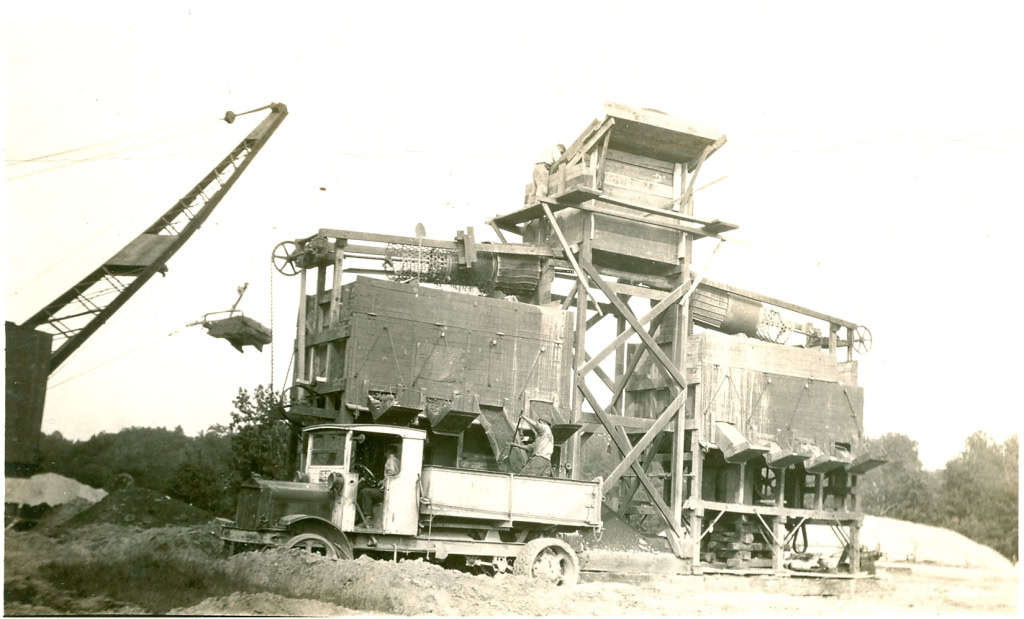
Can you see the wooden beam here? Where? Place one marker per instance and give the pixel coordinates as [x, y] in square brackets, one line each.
[593, 320]
[497, 231]
[633, 423]
[663, 420]
[814, 516]
[593, 206]
[469, 242]
[608, 382]
[386, 238]
[569, 298]
[653, 210]
[591, 303]
[638, 291]
[567, 250]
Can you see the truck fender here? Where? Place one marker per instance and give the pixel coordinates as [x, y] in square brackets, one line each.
[292, 519]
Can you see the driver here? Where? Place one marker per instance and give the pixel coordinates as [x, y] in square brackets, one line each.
[371, 491]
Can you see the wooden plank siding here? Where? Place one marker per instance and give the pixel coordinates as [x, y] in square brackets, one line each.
[404, 336]
[767, 391]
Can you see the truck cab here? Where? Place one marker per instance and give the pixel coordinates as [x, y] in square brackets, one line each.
[351, 460]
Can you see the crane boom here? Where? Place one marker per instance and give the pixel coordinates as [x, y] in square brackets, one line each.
[77, 313]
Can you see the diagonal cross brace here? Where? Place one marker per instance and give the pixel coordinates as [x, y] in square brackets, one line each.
[567, 250]
[623, 310]
[675, 533]
[663, 420]
[652, 453]
[677, 295]
[620, 383]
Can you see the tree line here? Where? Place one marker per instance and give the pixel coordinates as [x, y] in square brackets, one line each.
[975, 494]
[205, 471]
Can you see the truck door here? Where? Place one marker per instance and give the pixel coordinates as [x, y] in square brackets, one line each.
[328, 452]
[401, 490]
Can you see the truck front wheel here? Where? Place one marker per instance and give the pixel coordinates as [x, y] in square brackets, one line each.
[548, 559]
[313, 543]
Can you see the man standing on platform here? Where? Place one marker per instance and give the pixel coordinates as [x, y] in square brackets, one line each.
[542, 170]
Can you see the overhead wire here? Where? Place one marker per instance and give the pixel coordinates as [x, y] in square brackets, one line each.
[107, 155]
[113, 359]
[76, 248]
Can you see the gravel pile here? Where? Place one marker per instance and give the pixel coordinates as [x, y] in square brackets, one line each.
[139, 507]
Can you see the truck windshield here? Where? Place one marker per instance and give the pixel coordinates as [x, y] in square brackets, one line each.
[327, 449]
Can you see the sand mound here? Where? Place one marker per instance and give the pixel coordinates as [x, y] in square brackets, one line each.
[50, 489]
[139, 507]
[916, 543]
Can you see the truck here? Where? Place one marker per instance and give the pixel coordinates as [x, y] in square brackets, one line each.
[345, 503]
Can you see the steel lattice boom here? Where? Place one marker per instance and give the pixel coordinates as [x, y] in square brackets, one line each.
[77, 313]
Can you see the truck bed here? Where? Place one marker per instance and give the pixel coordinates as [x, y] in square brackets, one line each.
[507, 498]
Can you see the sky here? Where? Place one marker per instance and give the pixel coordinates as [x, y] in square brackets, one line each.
[872, 164]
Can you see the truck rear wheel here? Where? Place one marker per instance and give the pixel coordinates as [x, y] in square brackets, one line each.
[548, 559]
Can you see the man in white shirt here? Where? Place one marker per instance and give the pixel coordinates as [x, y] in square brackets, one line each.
[540, 450]
[541, 171]
[372, 493]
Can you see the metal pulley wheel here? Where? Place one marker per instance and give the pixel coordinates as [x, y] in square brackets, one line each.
[284, 257]
[767, 480]
[862, 339]
[297, 394]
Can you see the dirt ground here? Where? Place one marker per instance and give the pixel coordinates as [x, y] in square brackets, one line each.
[40, 572]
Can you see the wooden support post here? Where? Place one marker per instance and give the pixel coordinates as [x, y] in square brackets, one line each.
[740, 494]
[581, 339]
[833, 331]
[542, 296]
[300, 344]
[855, 548]
[458, 451]
[849, 344]
[620, 360]
[334, 309]
[321, 286]
[855, 501]
[780, 488]
[339, 259]
[778, 545]
[318, 363]
[819, 491]
[679, 343]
